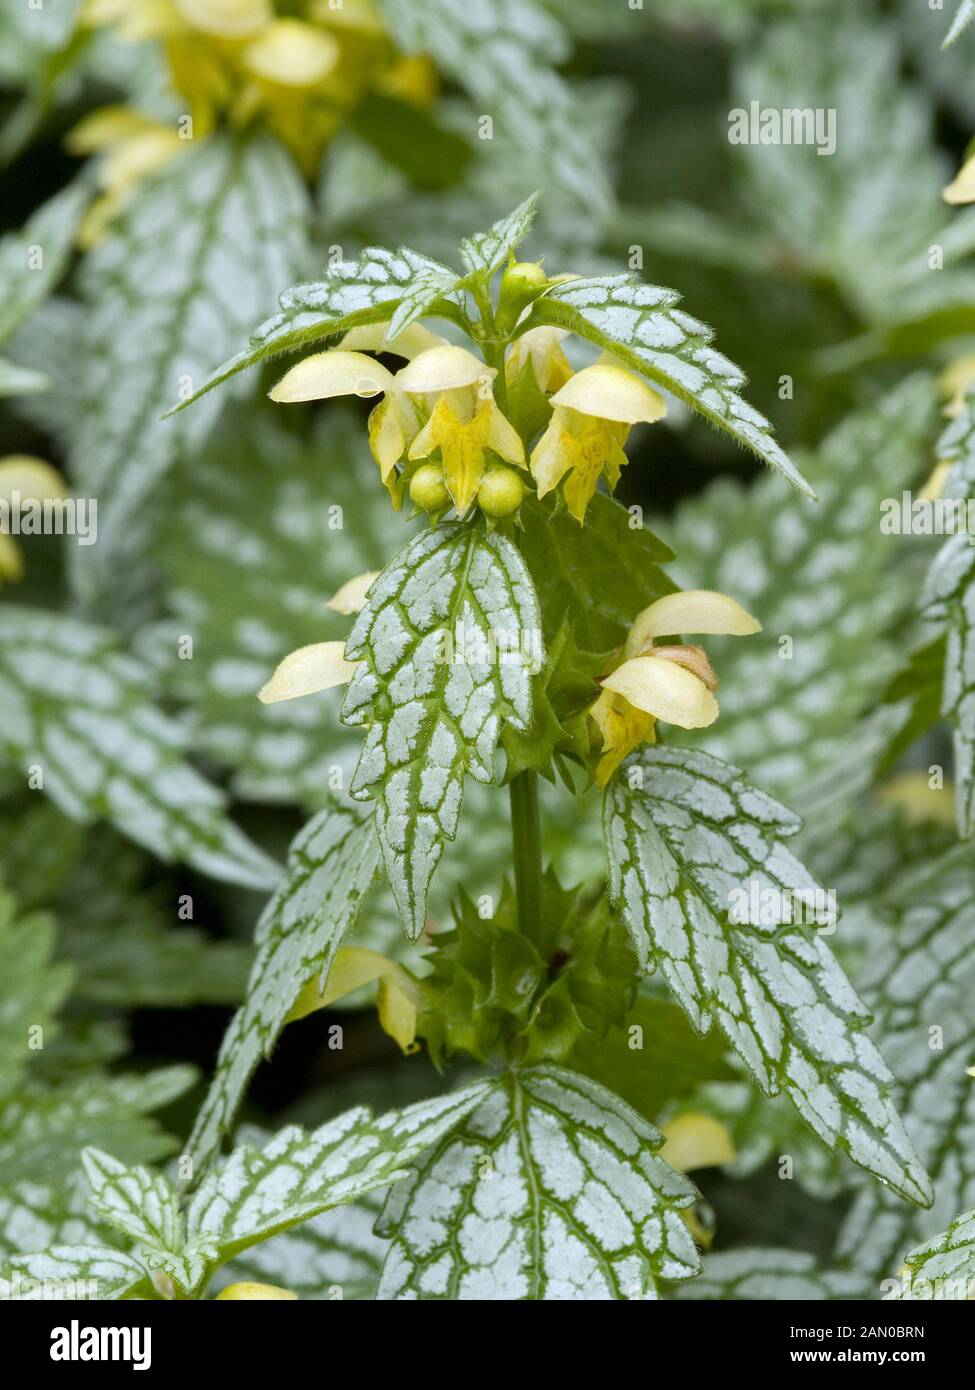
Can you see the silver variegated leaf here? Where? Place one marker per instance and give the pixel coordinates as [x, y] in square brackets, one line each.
[258, 1193]
[330, 867]
[826, 578]
[352, 294]
[43, 1128]
[32, 987]
[920, 979]
[35, 1216]
[948, 598]
[484, 253]
[642, 326]
[963, 16]
[551, 1189]
[446, 646]
[943, 1267]
[78, 712]
[767, 1276]
[33, 259]
[335, 1255]
[20, 381]
[714, 898]
[230, 216]
[70, 1272]
[503, 52]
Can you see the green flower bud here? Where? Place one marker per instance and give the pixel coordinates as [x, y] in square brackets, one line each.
[428, 491]
[522, 282]
[254, 1293]
[500, 492]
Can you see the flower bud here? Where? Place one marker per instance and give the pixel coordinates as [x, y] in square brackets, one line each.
[428, 491]
[522, 282]
[500, 492]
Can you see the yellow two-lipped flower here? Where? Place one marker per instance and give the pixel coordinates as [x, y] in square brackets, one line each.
[675, 683]
[320, 665]
[441, 402]
[592, 415]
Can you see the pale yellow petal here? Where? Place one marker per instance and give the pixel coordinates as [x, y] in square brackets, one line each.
[962, 187]
[226, 19]
[11, 560]
[107, 126]
[328, 374]
[409, 344]
[445, 368]
[912, 793]
[665, 690]
[937, 478]
[398, 1000]
[30, 477]
[291, 53]
[611, 393]
[126, 163]
[251, 1292]
[351, 598]
[695, 1140]
[320, 666]
[550, 459]
[540, 346]
[694, 611]
[503, 438]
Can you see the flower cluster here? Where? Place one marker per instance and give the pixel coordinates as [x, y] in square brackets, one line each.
[455, 433]
[299, 72]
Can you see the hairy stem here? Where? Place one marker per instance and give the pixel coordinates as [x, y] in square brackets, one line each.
[527, 845]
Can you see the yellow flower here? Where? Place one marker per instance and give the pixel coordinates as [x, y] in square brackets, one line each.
[674, 683]
[251, 1292]
[593, 415]
[320, 666]
[392, 424]
[398, 998]
[464, 420]
[131, 147]
[540, 348]
[351, 598]
[447, 384]
[23, 479]
[292, 54]
[962, 187]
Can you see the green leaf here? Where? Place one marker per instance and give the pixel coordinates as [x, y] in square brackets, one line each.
[484, 253]
[330, 867]
[551, 1189]
[665, 1060]
[641, 325]
[826, 209]
[79, 710]
[964, 15]
[600, 575]
[352, 294]
[919, 977]
[759, 1275]
[680, 851]
[791, 711]
[69, 1272]
[32, 989]
[20, 381]
[44, 1128]
[33, 1217]
[943, 1267]
[445, 645]
[258, 1193]
[33, 259]
[948, 599]
[502, 52]
[231, 214]
[336, 1251]
[411, 140]
[252, 546]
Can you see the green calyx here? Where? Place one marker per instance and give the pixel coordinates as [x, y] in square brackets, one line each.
[521, 283]
[497, 992]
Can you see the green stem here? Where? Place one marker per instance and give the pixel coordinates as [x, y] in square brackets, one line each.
[526, 840]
